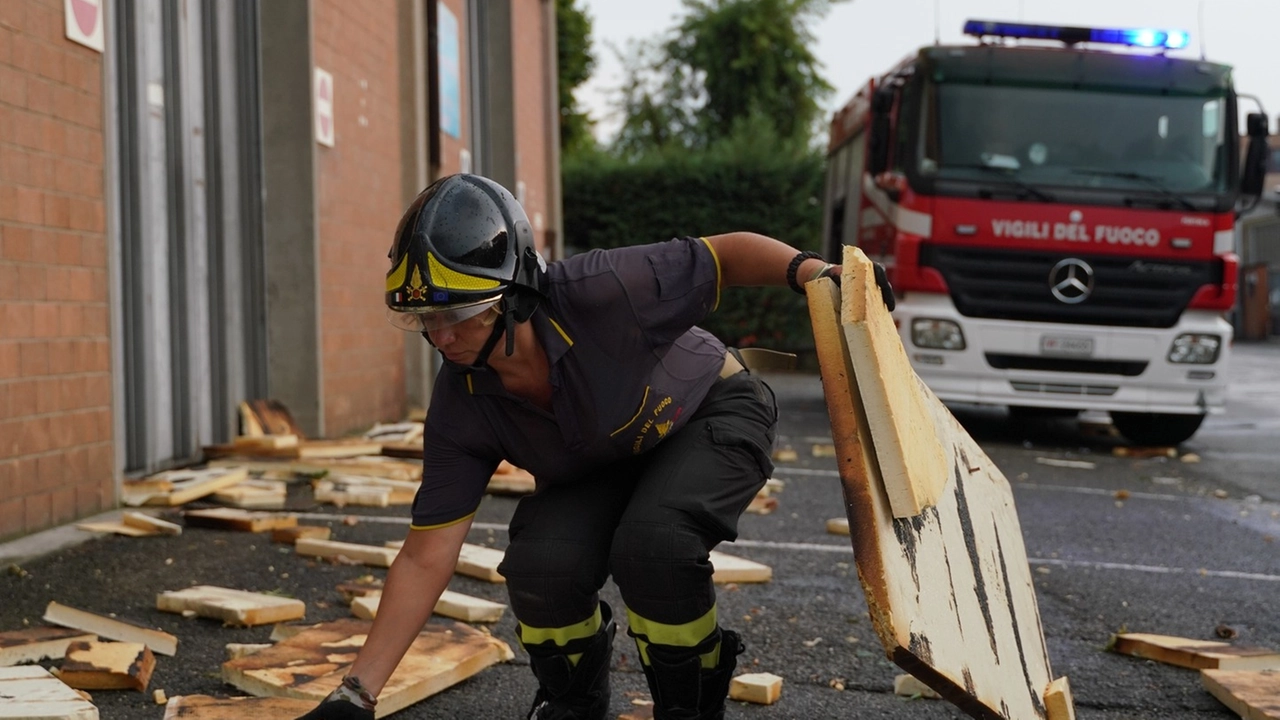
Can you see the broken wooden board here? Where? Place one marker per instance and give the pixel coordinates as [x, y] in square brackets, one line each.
[116, 527]
[267, 417]
[367, 554]
[403, 432]
[907, 685]
[175, 487]
[238, 519]
[248, 444]
[365, 465]
[33, 692]
[95, 665]
[949, 591]
[291, 535]
[270, 447]
[254, 494]
[344, 494]
[1197, 654]
[732, 569]
[312, 663]
[360, 587]
[451, 605]
[912, 460]
[480, 562]
[233, 607]
[149, 523]
[204, 707]
[510, 480]
[112, 628]
[1251, 694]
[1058, 702]
[838, 526]
[236, 651]
[758, 688]
[31, 645]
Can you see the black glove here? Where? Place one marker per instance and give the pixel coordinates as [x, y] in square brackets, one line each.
[882, 282]
[338, 710]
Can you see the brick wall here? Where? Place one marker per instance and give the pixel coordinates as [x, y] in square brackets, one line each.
[529, 55]
[359, 206]
[56, 453]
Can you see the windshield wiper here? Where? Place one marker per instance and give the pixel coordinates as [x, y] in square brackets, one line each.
[1150, 180]
[1006, 174]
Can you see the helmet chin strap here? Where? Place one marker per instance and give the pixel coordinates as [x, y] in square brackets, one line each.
[507, 325]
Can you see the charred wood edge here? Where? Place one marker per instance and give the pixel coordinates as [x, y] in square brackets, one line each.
[949, 691]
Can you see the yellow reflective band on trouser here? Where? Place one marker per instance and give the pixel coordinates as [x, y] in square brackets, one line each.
[528, 635]
[689, 634]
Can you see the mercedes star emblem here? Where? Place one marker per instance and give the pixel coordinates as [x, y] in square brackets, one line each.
[1071, 281]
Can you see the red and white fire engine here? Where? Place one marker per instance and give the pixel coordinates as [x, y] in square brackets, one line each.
[1057, 219]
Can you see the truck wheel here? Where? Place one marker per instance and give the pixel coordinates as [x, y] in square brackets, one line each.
[1156, 429]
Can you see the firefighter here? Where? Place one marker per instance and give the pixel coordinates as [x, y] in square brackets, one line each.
[647, 437]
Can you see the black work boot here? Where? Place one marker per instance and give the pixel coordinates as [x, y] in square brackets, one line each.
[681, 688]
[574, 692]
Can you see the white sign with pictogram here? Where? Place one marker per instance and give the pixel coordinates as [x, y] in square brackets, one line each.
[324, 107]
[84, 22]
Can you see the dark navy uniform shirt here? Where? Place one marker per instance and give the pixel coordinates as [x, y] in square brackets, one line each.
[628, 367]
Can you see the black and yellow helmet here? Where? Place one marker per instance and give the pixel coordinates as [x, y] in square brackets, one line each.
[463, 245]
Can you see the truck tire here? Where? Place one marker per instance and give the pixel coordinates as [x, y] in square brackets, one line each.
[1156, 429]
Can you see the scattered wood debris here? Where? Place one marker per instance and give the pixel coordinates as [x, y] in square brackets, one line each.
[158, 697]
[159, 641]
[641, 709]
[764, 502]
[239, 650]
[1058, 703]
[785, 454]
[1144, 452]
[1191, 458]
[365, 465]
[480, 562]
[451, 605]
[267, 417]
[364, 490]
[204, 707]
[238, 519]
[284, 632]
[824, 450]
[403, 432]
[94, 665]
[1251, 694]
[907, 685]
[249, 444]
[233, 607]
[1199, 654]
[31, 691]
[255, 494]
[312, 663]
[367, 554]
[177, 487]
[1077, 464]
[510, 480]
[134, 524]
[758, 688]
[838, 526]
[360, 587]
[31, 645]
[291, 535]
[732, 569]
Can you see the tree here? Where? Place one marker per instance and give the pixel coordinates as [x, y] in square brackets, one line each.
[575, 63]
[729, 62]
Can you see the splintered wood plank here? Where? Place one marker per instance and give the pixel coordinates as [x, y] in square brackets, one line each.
[339, 448]
[1251, 694]
[371, 466]
[176, 487]
[451, 605]
[291, 535]
[267, 417]
[238, 519]
[233, 607]
[343, 494]
[33, 693]
[31, 645]
[403, 432]
[312, 663]
[142, 521]
[112, 628]
[261, 494]
[1058, 702]
[732, 569]
[480, 562]
[203, 707]
[949, 590]
[758, 688]
[1198, 654]
[117, 527]
[367, 554]
[913, 463]
[98, 665]
[250, 443]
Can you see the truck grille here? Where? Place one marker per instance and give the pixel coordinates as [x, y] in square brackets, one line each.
[1014, 285]
[1127, 368]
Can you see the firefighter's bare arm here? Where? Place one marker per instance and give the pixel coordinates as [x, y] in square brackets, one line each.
[751, 259]
[417, 578]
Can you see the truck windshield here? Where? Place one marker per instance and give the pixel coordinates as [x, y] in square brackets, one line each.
[1157, 145]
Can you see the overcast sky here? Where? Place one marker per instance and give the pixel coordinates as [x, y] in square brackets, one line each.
[861, 38]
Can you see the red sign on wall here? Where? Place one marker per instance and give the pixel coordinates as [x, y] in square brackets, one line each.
[84, 22]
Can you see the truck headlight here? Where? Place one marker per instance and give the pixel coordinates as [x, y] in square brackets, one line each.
[937, 334]
[1195, 349]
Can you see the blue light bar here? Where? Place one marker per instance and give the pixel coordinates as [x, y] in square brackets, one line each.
[1137, 37]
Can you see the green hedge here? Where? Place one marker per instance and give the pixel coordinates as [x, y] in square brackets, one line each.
[610, 203]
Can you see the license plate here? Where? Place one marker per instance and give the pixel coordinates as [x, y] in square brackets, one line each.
[1066, 346]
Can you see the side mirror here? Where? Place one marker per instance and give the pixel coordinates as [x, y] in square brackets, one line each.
[878, 140]
[1255, 162]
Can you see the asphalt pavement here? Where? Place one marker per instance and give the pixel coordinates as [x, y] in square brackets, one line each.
[1153, 545]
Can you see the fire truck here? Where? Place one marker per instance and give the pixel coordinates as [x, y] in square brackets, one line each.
[1055, 208]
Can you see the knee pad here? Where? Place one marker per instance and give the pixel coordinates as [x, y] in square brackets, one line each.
[553, 583]
[663, 571]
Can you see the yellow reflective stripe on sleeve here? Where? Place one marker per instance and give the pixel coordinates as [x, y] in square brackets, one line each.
[560, 330]
[443, 525]
[627, 424]
[559, 636]
[686, 635]
[719, 277]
